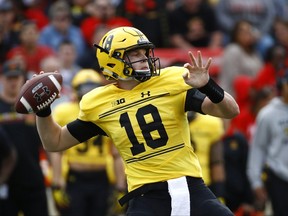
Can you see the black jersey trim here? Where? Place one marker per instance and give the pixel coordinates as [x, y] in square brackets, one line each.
[110, 112]
[144, 157]
[82, 130]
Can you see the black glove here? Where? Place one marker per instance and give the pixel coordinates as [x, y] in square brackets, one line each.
[44, 113]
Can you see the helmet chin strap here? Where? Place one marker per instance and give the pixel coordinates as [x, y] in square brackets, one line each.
[142, 75]
[141, 79]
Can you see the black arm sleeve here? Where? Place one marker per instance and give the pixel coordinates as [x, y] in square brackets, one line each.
[194, 100]
[82, 130]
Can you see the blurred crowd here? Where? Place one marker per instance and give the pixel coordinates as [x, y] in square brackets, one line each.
[58, 35]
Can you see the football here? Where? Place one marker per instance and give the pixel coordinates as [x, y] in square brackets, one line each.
[38, 92]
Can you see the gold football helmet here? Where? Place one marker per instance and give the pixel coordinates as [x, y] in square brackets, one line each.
[86, 80]
[112, 49]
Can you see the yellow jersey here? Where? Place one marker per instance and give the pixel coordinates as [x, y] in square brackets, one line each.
[205, 131]
[148, 126]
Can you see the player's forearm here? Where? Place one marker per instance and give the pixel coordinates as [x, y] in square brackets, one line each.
[54, 137]
[49, 133]
[226, 108]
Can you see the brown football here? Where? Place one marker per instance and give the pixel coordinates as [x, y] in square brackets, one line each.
[38, 93]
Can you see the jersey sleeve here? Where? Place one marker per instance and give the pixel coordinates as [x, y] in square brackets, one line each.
[194, 100]
[82, 130]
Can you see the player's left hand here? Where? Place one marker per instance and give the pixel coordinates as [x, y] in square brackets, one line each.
[197, 74]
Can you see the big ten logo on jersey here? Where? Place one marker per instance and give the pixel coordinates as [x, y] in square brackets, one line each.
[118, 102]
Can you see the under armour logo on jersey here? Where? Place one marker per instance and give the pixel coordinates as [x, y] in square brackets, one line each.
[143, 94]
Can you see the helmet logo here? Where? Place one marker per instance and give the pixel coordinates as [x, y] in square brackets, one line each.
[142, 38]
[107, 43]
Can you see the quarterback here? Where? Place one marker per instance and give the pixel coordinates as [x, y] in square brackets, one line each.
[144, 112]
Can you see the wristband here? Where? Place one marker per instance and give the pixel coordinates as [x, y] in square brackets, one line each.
[213, 91]
[44, 113]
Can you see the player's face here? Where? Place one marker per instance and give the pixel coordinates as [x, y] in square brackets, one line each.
[139, 57]
[12, 85]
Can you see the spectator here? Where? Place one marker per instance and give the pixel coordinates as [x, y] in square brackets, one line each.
[60, 29]
[67, 55]
[194, 24]
[9, 33]
[50, 63]
[86, 181]
[280, 33]
[253, 93]
[268, 152]
[281, 7]
[87, 60]
[275, 61]
[29, 51]
[34, 10]
[26, 184]
[171, 5]
[240, 56]
[252, 101]
[65, 63]
[104, 12]
[260, 13]
[79, 11]
[150, 17]
[239, 196]
[237, 142]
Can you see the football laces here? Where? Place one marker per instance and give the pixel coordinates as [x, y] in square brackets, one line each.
[47, 102]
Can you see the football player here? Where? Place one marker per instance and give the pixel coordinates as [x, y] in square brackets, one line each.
[145, 114]
[206, 139]
[82, 178]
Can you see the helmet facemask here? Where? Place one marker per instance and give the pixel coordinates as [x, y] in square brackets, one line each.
[142, 75]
